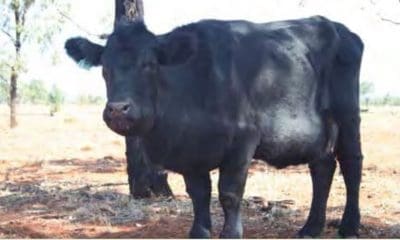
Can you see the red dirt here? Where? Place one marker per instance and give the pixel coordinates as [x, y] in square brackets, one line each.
[64, 177]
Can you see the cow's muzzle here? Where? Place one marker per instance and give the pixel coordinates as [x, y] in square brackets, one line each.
[117, 116]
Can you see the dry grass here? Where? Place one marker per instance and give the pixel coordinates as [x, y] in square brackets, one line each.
[64, 176]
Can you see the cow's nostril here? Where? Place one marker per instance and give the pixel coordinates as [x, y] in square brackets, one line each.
[118, 108]
[110, 109]
[125, 108]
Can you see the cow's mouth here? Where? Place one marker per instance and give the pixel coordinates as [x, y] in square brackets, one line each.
[128, 124]
[128, 127]
[121, 126]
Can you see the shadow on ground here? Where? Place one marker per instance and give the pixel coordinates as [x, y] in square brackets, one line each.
[33, 211]
[40, 208]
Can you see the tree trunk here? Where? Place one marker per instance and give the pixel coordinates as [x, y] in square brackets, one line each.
[129, 10]
[13, 97]
[13, 84]
[16, 67]
[144, 178]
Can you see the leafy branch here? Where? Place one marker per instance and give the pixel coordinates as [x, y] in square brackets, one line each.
[8, 35]
[385, 19]
[101, 36]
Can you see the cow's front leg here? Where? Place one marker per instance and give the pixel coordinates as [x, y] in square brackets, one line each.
[198, 186]
[322, 174]
[231, 185]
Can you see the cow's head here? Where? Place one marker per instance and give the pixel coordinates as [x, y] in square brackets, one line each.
[132, 62]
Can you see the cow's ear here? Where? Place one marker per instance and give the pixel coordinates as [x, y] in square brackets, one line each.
[176, 48]
[84, 52]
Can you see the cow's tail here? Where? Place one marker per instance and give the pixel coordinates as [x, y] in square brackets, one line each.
[344, 94]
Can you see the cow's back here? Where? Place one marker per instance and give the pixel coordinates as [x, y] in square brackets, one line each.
[270, 63]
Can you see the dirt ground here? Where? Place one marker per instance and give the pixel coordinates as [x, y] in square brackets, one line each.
[64, 177]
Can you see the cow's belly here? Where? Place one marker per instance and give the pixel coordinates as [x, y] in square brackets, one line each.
[290, 138]
[187, 146]
[195, 154]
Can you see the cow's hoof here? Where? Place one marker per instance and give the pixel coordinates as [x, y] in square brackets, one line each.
[139, 194]
[349, 229]
[346, 232]
[347, 237]
[230, 235]
[309, 232]
[163, 191]
[199, 232]
[305, 236]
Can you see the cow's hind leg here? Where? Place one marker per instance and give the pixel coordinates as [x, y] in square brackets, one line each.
[144, 178]
[198, 186]
[350, 160]
[159, 182]
[322, 172]
[137, 168]
[345, 105]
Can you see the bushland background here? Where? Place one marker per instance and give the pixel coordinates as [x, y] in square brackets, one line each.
[62, 172]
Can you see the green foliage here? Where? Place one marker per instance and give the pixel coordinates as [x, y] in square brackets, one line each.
[39, 20]
[34, 92]
[90, 100]
[4, 96]
[394, 101]
[386, 100]
[4, 74]
[366, 88]
[56, 99]
[26, 22]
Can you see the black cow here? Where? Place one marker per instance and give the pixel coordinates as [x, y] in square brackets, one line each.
[215, 94]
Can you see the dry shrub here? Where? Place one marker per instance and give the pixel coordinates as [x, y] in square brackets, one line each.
[70, 120]
[117, 143]
[395, 230]
[86, 148]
